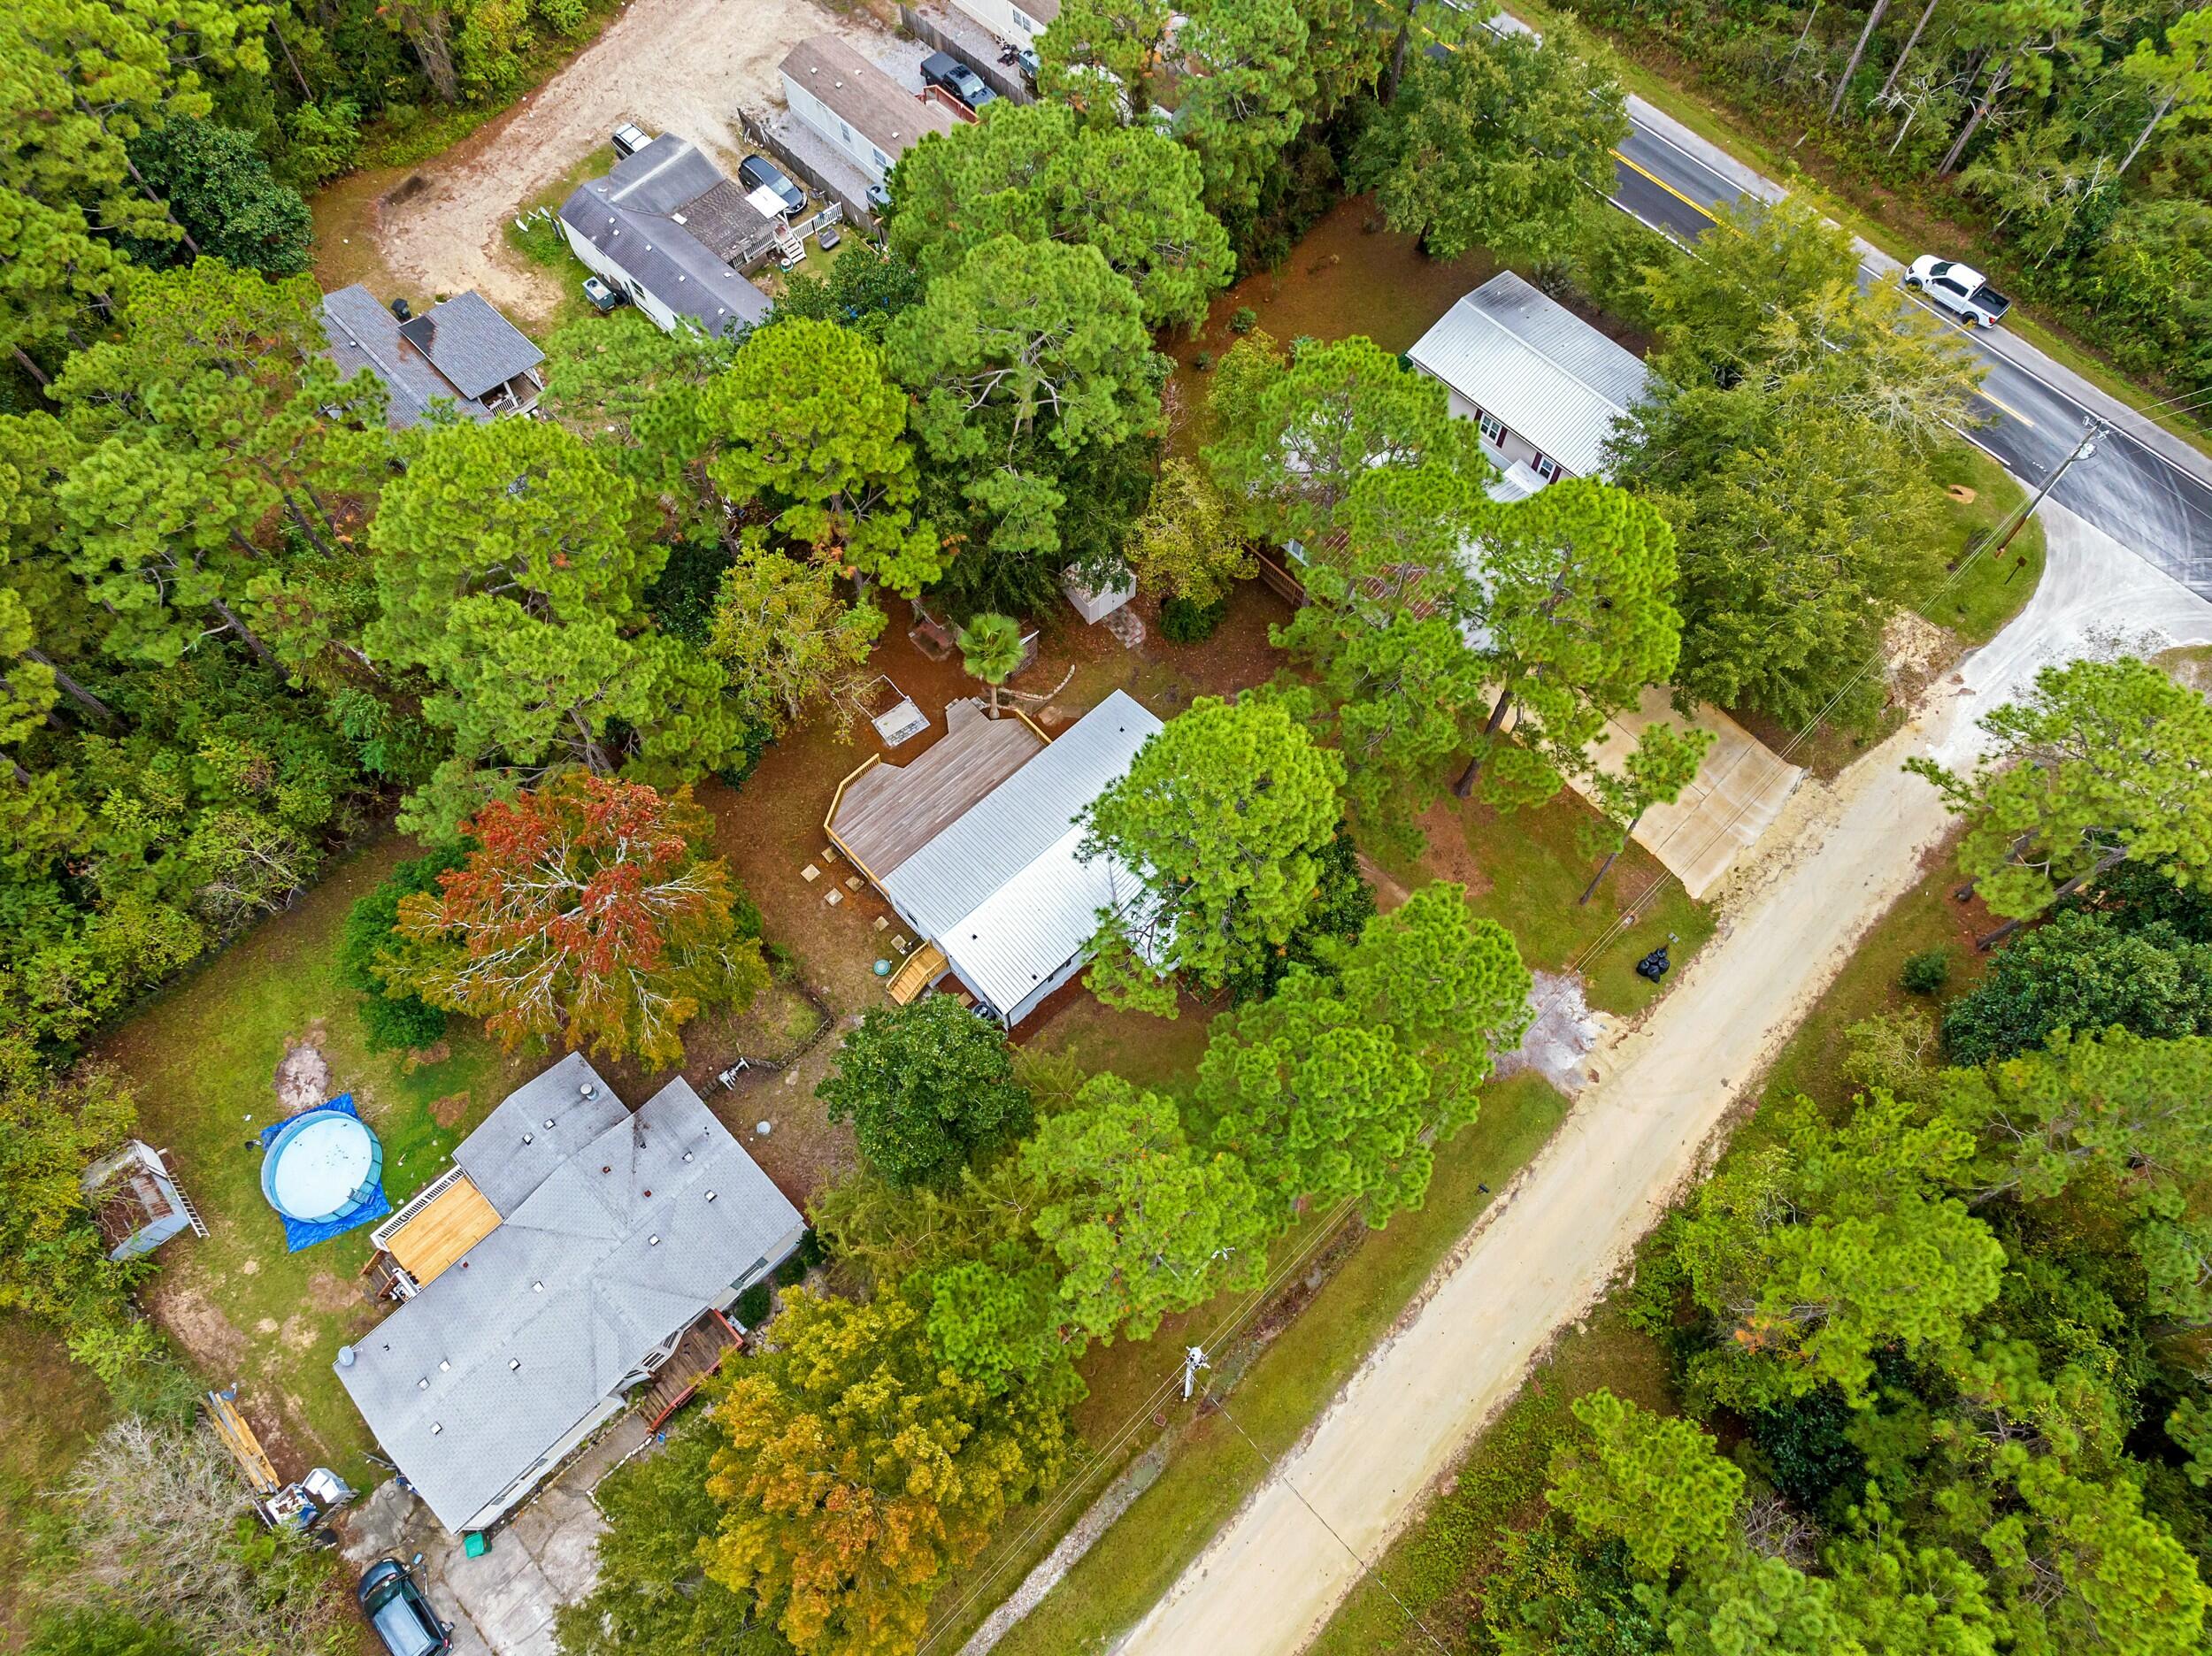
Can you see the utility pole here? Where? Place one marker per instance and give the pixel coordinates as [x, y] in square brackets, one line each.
[2083, 450]
[1193, 1359]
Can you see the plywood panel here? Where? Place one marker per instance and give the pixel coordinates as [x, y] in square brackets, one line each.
[455, 1221]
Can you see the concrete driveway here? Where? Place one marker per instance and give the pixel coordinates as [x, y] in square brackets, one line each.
[502, 1603]
[1740, 788]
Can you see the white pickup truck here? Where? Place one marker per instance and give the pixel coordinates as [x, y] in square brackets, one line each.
[1960, 289]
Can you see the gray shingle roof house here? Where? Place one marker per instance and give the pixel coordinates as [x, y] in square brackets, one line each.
[617, 1232]
[974, 842]
[1546, 385]
[462, 352]
[669, 230]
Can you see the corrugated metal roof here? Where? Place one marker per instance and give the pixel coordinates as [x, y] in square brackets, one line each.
[540, 1322]
[999, 889]
[1037, 922]
[1536, 365]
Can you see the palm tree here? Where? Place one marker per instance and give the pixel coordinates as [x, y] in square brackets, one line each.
[990, 649]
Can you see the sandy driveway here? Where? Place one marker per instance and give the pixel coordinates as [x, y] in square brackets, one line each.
[685, 66]
[1841, 857]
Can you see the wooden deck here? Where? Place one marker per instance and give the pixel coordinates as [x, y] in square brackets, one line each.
[888, 812]
[698, 1354]
[437, 1234]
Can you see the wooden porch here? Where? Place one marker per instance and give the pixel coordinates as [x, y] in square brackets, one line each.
[697, 1355]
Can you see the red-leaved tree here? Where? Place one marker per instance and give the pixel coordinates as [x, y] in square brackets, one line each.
[584, 913]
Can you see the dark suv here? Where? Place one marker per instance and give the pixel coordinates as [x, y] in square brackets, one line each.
[948, 72]
[401, 1615]
[759, 172]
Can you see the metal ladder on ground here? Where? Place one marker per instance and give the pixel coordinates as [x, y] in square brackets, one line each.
[184, 1197]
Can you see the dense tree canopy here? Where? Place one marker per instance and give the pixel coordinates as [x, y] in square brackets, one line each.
[1496, 145]
[928, 1087]
[1036, 172]
[584, 911]
[1217, 821]
[857, 1473]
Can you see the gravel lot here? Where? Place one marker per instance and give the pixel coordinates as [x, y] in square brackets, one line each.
[687, 66]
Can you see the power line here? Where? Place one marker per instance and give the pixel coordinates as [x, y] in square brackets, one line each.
[1373, 1572]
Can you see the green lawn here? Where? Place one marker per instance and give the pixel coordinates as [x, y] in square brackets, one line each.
[1992, 589]
[1212, 1468]
[201, 1058]
[1926, 917]
[1527, 868]
[54, 1407]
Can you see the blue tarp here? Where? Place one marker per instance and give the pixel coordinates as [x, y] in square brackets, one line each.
[298, 1234]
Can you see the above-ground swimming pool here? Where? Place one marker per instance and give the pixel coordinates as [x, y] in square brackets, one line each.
[323, 1166]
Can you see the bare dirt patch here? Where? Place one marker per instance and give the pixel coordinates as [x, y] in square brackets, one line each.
[686, 67]
[198, 1324]
[450, 1111]
[1559, 1043]
[302, 1075]
[1450, 857]
[330, 1293]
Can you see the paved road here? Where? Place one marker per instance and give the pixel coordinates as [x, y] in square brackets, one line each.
[1544, 1252]
[2145, 488]
[2139, 496]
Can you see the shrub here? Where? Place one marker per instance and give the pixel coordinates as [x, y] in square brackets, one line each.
[1244, 319]
[791, 1273]
[1925, 972]
[811, 1253]
[1202, 362]
[368, 950]
[753, 1305]
[1183, 622]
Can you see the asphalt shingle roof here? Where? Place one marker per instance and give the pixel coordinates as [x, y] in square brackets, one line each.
[475, 347]
[629, 216]
[619, 1231]
[863, 96]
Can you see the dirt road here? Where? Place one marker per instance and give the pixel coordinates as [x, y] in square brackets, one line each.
[1270, 1581]
[685, 66]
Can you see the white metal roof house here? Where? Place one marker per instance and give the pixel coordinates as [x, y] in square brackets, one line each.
[866, 116]
[1017, 22]
[577, 1245]
[1545, 385]
[974, 842]
[669, 230]
[462, 354]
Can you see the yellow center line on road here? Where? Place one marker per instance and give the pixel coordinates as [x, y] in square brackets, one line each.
[1703, 210]
[2004, 408]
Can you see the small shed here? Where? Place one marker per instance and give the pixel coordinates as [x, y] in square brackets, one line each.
[137, 1202]
[1095, 603]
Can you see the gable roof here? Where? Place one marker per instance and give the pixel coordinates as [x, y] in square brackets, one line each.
[623, 1228]
[1536, 365]
[639, 216]
[362, 334]
[863, 96]
[475, 347]
[1001, 890]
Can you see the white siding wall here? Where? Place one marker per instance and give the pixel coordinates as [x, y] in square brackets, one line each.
[663, 319]
[1005, 19]
[1506, 450]
[827, 121]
